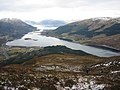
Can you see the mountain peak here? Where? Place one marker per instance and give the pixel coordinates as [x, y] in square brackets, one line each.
[9, 19]
[13, 21]
[102, 18]
[14, 27]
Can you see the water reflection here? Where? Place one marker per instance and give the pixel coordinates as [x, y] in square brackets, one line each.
[42, 41]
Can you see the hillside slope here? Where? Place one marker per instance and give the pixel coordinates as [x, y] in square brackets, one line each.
[14, 28]
[86, 31]
[23, 57]
[63, 72]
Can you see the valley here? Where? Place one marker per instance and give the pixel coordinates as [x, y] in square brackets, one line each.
[59, 44]
[38, 62]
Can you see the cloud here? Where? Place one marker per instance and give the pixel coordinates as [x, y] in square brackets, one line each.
[29, 5]
[59, 9]
[24, 5]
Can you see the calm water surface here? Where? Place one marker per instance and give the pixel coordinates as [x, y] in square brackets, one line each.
[36, 39]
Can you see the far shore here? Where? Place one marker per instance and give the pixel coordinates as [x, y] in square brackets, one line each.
[105, 47]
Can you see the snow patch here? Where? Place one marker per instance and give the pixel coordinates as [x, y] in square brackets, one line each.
[115, 71]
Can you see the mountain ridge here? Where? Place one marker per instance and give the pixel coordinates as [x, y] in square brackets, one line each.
[89, 30]
[15, 28]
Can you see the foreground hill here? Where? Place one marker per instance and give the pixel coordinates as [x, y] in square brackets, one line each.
[53, 68]
[23, 57]
[14, 28]
[90, 30]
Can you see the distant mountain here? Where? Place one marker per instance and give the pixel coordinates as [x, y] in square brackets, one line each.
[89, 30]
[14, 28]
[52, 23]
[31, 22]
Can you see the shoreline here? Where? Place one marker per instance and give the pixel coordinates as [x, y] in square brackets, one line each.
[65, 39]
[93, 45]
[105, 47]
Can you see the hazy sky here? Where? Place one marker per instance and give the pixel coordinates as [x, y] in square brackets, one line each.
[59, 9]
